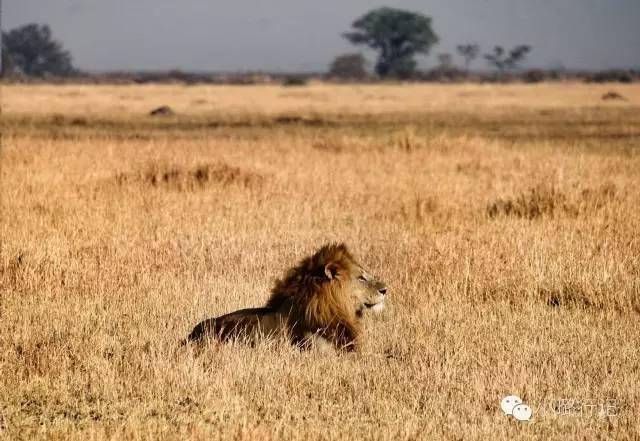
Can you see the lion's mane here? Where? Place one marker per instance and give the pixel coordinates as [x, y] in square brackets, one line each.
[315, 297]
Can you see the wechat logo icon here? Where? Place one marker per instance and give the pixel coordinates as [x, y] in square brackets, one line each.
[513, 405]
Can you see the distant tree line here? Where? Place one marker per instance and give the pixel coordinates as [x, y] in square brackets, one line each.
[397, 36]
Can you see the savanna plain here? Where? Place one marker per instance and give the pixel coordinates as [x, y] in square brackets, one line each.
[505, 220]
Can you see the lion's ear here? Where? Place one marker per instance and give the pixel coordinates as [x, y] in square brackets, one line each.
[331, 270]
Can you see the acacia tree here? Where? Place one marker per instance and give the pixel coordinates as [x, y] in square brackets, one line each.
[31, 50]
[504, 61]
[469, 52]
[397, 35]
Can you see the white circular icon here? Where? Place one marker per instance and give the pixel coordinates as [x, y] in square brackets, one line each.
[522, 412]
[508, 403]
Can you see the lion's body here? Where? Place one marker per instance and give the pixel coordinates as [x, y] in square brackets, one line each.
[322, 297]
[249, 325]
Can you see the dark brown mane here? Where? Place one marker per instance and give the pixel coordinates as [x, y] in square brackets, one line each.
[309, 275]
[316, 294]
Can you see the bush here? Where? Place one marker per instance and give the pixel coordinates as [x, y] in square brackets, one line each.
[294, 81]
[349, 67]
[534, 76]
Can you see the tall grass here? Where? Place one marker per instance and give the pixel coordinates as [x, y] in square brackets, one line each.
[503, 218]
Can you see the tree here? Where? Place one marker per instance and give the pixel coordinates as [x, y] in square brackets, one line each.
[32, 51]
[504, 61]
[397, 35]
[469, 52]
[349, 66]
[445, 61]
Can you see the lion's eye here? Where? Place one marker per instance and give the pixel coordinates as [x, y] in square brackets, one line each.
[362, 279]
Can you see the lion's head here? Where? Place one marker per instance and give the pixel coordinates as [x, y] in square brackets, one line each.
[326, 294]
[334, 268]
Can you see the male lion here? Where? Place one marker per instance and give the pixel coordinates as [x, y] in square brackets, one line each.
[321, 298]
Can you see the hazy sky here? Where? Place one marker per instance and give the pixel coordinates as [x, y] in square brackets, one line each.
[293, 35]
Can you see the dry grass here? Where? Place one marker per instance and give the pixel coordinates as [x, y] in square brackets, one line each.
[504, 218]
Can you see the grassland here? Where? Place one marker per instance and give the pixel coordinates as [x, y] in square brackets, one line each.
[504, 219]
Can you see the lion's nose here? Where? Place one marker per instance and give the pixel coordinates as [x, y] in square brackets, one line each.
[382, 291]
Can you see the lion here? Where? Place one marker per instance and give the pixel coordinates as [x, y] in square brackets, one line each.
[322, 299]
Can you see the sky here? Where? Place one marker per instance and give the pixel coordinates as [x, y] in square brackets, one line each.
[305, 35]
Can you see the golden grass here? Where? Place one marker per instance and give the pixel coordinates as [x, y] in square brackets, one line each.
[505, 220]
